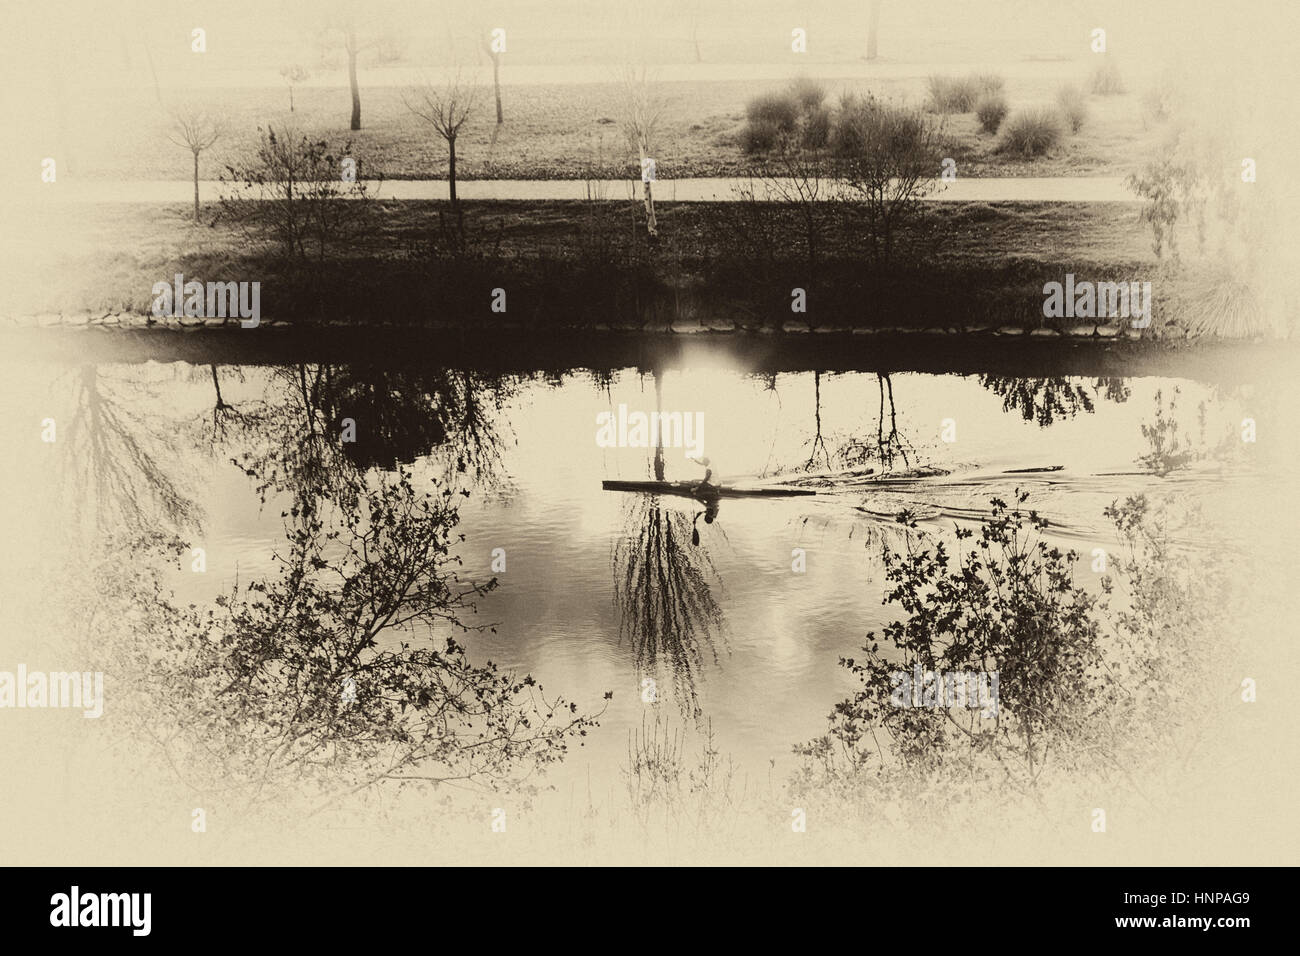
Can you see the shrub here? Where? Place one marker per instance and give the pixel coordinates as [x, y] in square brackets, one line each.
[796, 113]
[288, 191]
[868, 126]
[1158, 102]
[1176, 190]
[1008, 606]
[781, 110]
[986, 83]
[247, 689]
[1085, 686]
[991, 110]
[951, 94]
[1106, 80]
[817, 128]
[808, 93]
[1074, 106]
[760, 136]
[1031, 132]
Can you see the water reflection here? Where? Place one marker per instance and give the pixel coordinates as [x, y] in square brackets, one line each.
[228, 417]
[119, 470]
[322, 427]
[515, 454]
[342, 671]
[664, 584]
[888, 445]
[1045, 400]
[664, 588]
[883, 447]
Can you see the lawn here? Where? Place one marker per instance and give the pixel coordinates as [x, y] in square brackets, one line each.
[569, 131]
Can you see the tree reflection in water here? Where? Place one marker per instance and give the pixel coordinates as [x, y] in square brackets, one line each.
[888, 445]
[663, 588]
[398, 415]
[343, 672]
[817, 442]
[119, 468]
[226, 416]
[1045, 400]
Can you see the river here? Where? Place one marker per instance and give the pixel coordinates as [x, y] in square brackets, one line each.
[746, 642]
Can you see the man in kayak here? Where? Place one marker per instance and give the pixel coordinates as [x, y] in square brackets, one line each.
[706, 487]
[708, 492]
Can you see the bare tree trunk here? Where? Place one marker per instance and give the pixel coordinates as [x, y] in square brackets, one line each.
[652, 226]
[451, 168]
[352, 80]
[216, 384]
[872, 29]
[496, 84]
[196, 185]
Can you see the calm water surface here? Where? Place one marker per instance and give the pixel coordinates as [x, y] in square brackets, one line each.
[603, 590]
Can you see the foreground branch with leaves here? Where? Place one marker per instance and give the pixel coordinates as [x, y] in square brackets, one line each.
[1084, 689]
[339, 674]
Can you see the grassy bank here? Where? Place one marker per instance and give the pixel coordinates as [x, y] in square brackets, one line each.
[719, 266]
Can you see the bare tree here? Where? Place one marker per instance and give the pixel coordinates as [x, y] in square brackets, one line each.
[195, 129]
[446, 108]
[493, 47]
[357, 38]
[350, 44]
[796, 178]
[643, 110]
[886, 156]
[289, 191]
[293, 74]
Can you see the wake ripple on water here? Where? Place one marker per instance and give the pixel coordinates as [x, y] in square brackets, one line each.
[1071, 503]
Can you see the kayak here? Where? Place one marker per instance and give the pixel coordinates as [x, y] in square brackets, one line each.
[692, 489]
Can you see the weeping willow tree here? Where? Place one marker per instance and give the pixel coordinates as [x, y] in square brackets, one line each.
[663, 589]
